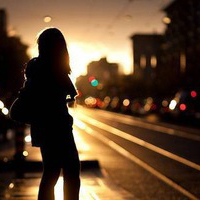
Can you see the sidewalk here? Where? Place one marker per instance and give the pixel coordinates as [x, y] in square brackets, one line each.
[92, 187]
[95, 184]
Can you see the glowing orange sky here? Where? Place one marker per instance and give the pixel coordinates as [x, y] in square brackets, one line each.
[92, 28]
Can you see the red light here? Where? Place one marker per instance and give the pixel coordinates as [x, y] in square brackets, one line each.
[153, 107]
[193, 93]
[182, 107]
[91, 78]
[99, 102]
[79, 93]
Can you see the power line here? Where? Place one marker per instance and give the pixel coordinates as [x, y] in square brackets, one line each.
[118, 16]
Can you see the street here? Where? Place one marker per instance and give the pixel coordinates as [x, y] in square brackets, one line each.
[128, 74]
[159, 162]
[139, 160]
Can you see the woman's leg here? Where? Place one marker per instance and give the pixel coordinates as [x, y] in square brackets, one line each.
[71, 172]
[51, 172]
[71, 175]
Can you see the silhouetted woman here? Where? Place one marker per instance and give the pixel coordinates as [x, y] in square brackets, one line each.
[51, 124]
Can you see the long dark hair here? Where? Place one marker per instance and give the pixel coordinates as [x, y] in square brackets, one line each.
[52, 48]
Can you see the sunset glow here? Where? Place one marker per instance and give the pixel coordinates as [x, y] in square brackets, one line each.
[82, 54]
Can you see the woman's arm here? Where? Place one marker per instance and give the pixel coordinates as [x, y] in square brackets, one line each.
[65, 83]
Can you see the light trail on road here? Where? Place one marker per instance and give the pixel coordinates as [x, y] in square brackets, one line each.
[172, 157]
[133, 158]
[138, 141]
[145, 125]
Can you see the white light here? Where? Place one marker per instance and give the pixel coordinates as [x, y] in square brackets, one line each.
[11, 185]
[5, 111]
[27, 138]
[126, 102]
[172, 105]
[25, 153]
[1, 104]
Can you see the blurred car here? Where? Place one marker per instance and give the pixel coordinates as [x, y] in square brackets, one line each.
[145, 106]
[151, 105]
[115, 104]
[185, 103]
[126, 106]
[164, 106]
[137, 106]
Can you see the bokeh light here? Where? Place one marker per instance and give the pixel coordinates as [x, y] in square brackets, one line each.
[172, 104]
[27, 138]
[100, 86]
[91, 78]
[5, 111]
[25, 153]
[166, 20]
[183, 107]
[126, 102]
[115, 102]
[193, 94]
[107, 99]
[47, 19]
[165, 103]
[94, 83]
[1, 104]
[11, 185]
[91, 102]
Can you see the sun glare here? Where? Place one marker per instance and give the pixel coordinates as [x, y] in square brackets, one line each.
[33, 51]
[80, 56]
[123, 59]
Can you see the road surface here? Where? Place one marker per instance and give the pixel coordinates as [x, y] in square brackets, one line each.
[150, 160]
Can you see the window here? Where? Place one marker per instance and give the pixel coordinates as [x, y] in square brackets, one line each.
[182, 62]
[153, 61]
[143, 61]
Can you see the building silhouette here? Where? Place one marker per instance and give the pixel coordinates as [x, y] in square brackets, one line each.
[146, 55]
[181, 46]
[102, 80]
[104, 71]
[146, 64]
[13, 56]
[169, 62]
[3, 23]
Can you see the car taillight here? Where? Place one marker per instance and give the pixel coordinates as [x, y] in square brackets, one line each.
[182, 107]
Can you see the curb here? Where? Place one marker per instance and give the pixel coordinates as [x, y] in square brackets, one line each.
[36, 166]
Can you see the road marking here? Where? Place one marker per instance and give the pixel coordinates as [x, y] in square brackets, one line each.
[138, 141]
[135, 159]
[146, 125]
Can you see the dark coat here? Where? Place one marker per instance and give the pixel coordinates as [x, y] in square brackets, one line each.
[51, 122]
